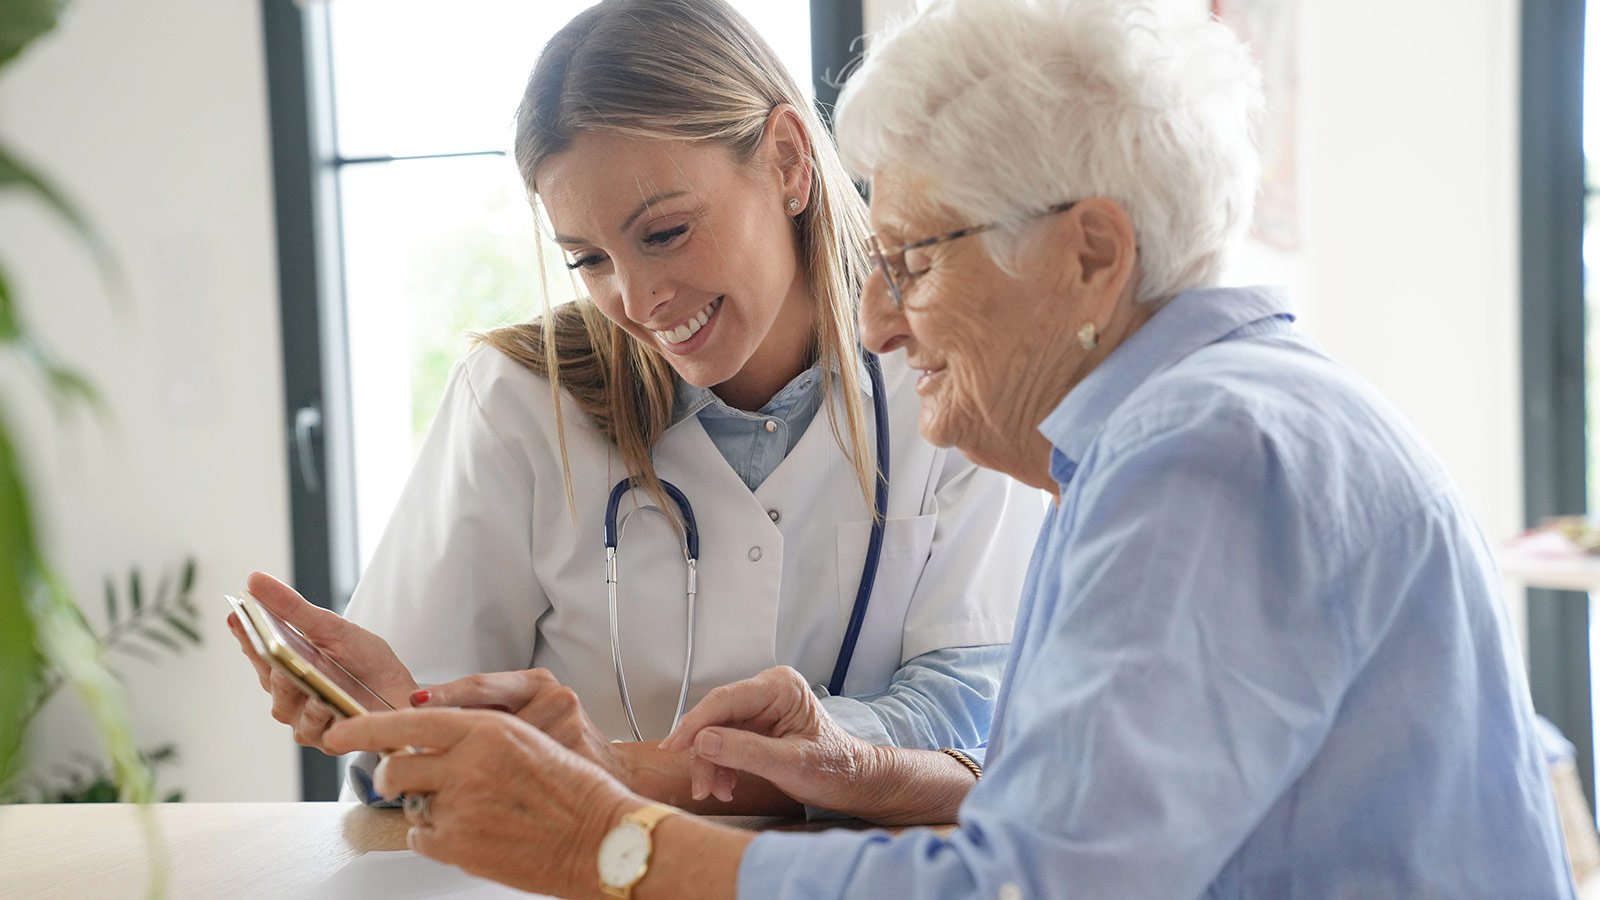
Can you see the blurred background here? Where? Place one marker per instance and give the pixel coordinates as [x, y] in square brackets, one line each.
[312, 205]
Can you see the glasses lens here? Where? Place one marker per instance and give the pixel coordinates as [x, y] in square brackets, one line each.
[875, 251]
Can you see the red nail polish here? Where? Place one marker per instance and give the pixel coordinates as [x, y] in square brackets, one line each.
[419, 697]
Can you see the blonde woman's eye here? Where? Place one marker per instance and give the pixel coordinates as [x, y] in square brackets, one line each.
[664, 237]
[587, 261]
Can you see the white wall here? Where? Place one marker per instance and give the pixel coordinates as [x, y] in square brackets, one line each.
[152, 116]
[1407, 269]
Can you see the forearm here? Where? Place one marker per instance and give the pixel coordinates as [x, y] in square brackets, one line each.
[661, 776]
[912, 787]
[694, 858]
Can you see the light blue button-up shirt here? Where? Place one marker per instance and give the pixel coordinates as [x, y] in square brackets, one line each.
[1261, 654]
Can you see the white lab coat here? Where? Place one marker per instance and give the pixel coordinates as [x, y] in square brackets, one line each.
[482, 567]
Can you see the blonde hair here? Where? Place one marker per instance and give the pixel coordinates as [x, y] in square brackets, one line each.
[694, 71]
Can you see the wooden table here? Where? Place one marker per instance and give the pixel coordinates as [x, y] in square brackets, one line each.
[224, 850]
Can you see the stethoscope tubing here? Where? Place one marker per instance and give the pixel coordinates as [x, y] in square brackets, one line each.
[880, 512]
[691, 555]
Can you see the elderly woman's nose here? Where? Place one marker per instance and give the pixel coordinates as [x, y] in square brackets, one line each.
[883, 327]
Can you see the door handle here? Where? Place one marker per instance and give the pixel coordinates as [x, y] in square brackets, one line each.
[307, 429]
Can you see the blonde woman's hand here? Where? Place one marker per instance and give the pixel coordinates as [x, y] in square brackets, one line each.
[535, 697]
[362, 653]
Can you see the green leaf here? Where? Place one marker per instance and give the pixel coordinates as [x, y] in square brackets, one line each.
[78, 655]
[19, 647]
[111, 603]
[161, 637]
[14, 173]
[135, 596]
[135, 651]
[187, 582]
[182, 626]
[22, 21]
[64, 383]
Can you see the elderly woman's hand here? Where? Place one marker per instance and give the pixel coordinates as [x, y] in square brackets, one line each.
[535, 697]
[362, 653]
[503, 801]
[773, 726]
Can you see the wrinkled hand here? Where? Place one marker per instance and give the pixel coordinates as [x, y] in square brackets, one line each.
[504, 800]
[774, 727]
[362, 653]
[535, 697]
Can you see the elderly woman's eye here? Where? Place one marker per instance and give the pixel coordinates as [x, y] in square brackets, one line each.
[918, 260]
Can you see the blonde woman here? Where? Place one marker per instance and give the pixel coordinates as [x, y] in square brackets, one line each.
[721, 244]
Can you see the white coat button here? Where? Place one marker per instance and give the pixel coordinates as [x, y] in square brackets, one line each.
[774, 516]
[754, 554]
[771, 426]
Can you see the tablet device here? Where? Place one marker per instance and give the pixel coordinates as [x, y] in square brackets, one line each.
[288, 651]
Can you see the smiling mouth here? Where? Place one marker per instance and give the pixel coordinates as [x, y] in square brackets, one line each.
[689, 328]
[924, 376]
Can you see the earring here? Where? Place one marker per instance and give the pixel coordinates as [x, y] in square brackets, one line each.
[793, 205]
[1088, 336]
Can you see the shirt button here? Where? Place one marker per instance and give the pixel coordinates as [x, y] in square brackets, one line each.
[1010, 891]
[754, 554]
[771, 426]
[773, 515]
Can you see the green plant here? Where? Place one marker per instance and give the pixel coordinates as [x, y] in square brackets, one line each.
[87, 779]
[39, 623]
[139, 624]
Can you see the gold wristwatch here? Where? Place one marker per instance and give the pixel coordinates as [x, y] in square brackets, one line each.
[625, 850]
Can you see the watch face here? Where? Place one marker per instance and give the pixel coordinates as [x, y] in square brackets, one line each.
[623, 855]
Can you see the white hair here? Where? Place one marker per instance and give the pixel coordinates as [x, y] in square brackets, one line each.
[1009, 106]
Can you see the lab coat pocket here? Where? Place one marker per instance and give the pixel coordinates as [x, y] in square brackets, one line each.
[907, 543]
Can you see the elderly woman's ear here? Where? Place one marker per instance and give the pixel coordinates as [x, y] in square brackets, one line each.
[1094, 246]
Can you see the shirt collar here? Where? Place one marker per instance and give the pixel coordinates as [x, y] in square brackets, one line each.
[689, 400]
[1186, 323]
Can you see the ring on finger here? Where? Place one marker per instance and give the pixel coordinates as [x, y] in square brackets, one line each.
[419, 809]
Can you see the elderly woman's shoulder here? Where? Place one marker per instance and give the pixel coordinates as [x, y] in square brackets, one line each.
[1280, 412]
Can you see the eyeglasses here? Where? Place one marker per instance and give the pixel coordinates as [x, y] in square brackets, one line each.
[892, 263]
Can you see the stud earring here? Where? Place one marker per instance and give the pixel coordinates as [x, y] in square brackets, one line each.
[1088, 336]
[793, 205]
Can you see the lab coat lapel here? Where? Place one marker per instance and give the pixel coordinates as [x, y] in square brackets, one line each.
[738, 595]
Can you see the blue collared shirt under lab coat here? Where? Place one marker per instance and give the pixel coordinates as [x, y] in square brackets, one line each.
[1262, 654]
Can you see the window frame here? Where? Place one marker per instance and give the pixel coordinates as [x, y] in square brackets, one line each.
[1554, 411]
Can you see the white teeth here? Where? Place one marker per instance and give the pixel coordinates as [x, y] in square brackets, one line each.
[687, 330]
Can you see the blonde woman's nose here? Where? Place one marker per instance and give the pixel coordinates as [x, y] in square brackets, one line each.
[642, 295]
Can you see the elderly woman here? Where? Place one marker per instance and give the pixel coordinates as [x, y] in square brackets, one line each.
[1261, 651]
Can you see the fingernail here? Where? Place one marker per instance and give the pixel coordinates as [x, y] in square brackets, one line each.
[709, 744]
[419, 697]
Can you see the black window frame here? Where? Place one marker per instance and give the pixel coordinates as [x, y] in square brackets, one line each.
[1553, 196]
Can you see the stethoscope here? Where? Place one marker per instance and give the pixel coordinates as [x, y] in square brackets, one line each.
[690, 543]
